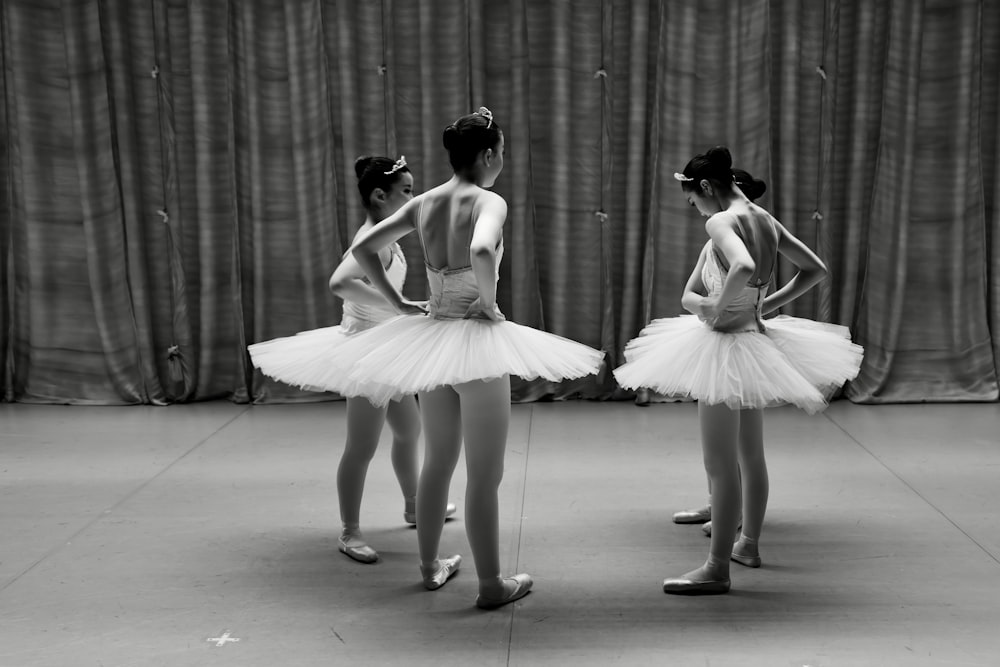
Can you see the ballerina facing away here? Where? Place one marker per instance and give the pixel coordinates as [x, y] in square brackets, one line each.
[458, 351]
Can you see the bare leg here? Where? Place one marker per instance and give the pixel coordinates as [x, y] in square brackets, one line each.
[719, 430]
[755, 484]
[485, 422]
[404, 420]
[441, 412]
[364, 426]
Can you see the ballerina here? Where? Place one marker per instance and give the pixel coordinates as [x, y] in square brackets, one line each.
[734, 362]
[459, 351]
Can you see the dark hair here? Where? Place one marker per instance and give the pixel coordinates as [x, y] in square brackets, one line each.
[371, 171]
[752, 187]
[716, 166]
[469, 135]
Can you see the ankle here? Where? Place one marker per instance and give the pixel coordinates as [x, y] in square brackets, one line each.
[491, 586]
[716, 568]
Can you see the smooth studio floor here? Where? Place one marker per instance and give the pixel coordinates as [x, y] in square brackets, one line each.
[205, 534]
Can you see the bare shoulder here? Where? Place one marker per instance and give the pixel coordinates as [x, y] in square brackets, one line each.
[720, 222]
[489, 204]
[490, 199]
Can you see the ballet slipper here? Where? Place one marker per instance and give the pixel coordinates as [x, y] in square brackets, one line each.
[703, 581]
[357, 548]
[522, 586]
[440, 572]
[411, 517]
[685, 586]
[700, 515]
[746, 559]
[707, 528]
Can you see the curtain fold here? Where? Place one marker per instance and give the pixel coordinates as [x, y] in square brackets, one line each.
[179, 183]
[924, 316]
[989, 115]
[6, 217]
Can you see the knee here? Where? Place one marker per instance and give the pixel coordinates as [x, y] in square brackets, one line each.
[358, 453]
[753, 465]
[407, 435]
[485, 479]
[438, 465]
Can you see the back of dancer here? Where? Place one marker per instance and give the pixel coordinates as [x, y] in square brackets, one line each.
[459, 358]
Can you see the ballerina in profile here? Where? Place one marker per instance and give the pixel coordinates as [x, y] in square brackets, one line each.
[735, 363]
[303, 360]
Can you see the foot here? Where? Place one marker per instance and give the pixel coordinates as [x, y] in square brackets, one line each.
[700, 515]
[746, 553]
[411, 517]
[707, 528]
[514, 588]
[440, 571]
[698, 582]
[356, 547]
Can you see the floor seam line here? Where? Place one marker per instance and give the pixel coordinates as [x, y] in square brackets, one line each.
[520, 526]
[911, 488]
[108, 510]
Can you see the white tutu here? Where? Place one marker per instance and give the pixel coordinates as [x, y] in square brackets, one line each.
[413, 353]
[307, 360]
[794, 361]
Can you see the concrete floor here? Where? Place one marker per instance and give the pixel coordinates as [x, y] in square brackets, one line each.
[140, 536]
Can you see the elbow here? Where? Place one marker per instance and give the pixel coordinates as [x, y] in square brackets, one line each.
[337, 285]
[481, 253]
[334, 285]
[819, 272]
[743, 269]
[477, 250]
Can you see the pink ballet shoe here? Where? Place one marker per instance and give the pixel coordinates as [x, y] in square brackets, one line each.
[356, 548]
[411, 517]
[522, 586]
[446, 569]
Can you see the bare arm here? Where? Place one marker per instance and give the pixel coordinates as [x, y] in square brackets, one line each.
[348, 283]
[486, 237]
[811, 271]
[366, 248]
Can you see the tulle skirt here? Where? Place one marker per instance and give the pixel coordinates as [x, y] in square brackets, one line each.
[308, 360]
[795, 361]
[414, 353]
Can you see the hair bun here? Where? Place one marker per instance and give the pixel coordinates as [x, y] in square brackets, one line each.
[450, 137]
[720, 157]
[752, 187]
[362, 164]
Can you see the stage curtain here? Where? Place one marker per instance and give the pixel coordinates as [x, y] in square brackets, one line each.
[178, 174]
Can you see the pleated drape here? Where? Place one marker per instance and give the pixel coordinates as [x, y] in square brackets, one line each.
[920, 306]
[178, 175]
